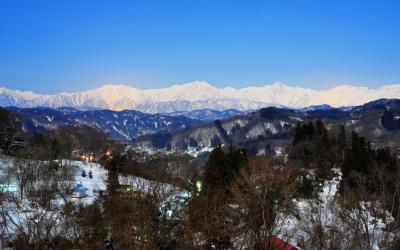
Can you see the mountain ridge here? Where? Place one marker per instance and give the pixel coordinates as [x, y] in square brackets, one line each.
[120, 125]
[272, 127]
[199, 95]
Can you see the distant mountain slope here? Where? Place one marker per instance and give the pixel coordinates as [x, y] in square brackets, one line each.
[199, 95]
[121, 125]
[208, 114]
[317, 107]
[270, 127]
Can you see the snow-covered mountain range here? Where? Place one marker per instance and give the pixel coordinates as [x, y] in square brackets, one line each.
[199, 95]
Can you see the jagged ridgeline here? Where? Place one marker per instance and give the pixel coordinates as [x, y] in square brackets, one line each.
[198, 95]
[270, 129]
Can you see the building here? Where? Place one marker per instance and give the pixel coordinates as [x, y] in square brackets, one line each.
[128, 191]
[277, 244]
[9, 188]
[80, 154]
[79, 191]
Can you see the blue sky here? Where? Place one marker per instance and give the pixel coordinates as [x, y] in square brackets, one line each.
[54, 46]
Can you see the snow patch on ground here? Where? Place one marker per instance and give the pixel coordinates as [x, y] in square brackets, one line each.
[121, 133]
[230, 126]
[262, 129]
[50, 119]
[195, 152]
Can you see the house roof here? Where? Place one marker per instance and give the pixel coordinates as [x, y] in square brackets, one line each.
[278, 244]
[79, 188]
[8, 188]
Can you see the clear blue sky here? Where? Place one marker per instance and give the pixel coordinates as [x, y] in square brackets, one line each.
[53, 46]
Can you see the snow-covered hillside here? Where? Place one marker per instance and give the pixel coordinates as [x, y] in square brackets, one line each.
[369, 219]
[120, 125]
[199, 95]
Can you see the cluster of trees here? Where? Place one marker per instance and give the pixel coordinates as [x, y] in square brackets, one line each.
[221, 171]
[370, 184]
[314, 148]
[9, 129]
[243, 201]
[39, 185]
[368, 174]
[49, 145]
[362, 160]
[311, 145]
[61, 143]
[371, 174]
[389, 121]
[174, 168]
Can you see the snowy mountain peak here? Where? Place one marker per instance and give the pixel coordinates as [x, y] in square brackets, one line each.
[199, 95]
[114, 88]
[195, 84]
[277, 85]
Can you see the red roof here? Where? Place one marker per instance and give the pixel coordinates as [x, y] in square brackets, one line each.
[278, 244]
